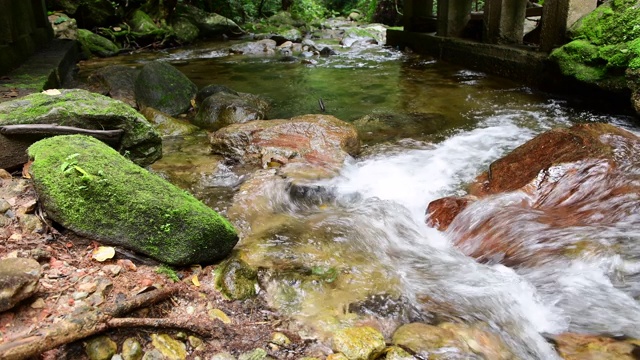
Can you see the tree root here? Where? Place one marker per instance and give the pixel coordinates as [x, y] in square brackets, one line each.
[79, 326]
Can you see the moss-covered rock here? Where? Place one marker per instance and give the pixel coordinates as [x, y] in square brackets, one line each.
[163, 87]
[142, 23]
[209, 24]
[92, 190]
[235, 279]
[96, 44]
[358, 343]
[185, 31]
[222, 109]
[87, 110]
[605, 43]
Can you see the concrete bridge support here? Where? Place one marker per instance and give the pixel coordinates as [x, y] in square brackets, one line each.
[453, 16]
[504, 21]
[418, 15]
[558, 16]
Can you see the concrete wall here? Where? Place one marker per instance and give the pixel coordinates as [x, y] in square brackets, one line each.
[24, 28]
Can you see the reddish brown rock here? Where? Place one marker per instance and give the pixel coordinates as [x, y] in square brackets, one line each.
[580, 346]
[441, 212]
[302, 145]
[584, 177]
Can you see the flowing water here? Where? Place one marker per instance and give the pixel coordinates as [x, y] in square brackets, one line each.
[429, 129]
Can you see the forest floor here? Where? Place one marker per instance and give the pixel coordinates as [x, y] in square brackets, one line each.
[73, 284]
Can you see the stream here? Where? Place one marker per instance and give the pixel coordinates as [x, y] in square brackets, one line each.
[428, 129]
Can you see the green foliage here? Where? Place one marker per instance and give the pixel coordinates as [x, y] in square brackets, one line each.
[168, 272]
[308, 10]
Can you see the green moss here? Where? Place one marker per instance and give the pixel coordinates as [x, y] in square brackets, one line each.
[118, 202]
[169, 272]
[235, 279]
[97, 44]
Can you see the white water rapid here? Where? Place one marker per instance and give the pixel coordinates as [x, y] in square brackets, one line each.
[385, 196]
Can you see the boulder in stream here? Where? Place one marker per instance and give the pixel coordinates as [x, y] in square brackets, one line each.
[580, 177]
[224, 108]
[118, 82]
[81, 109]
[208, 24]
[89, 188]
[163, 87]
[260, 47]
[572, 346]
[167, 125]
[309, 146]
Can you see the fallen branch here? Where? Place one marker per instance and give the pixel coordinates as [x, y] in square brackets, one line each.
[204, 330]
[77, 327]
[52, 129]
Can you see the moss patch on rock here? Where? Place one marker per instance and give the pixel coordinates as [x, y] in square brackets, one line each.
[92, 190]
[163, 87]
[605, 43]
[87, 110]
[96, 44]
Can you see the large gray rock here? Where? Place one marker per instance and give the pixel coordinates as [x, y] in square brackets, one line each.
[82, 109]
[223, 108]
[163, 87]
[89, 188]
[118, 81]
[18, 281]
[260, 47]
[209, 24]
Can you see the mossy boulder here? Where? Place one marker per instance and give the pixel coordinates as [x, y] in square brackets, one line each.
[89, 188]
[358, 343]
[88, 13]
[87, 110]
[605, 43]
[163, 87]
[209, 24]
[185, 31]
[96, 44]
[142, 23]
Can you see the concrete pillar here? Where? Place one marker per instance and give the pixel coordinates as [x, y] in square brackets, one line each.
[558, 16]
[504, 21]
[453, 16]
[416, 13]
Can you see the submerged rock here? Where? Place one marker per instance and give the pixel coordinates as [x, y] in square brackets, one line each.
[82, 109]
[163, 87]
[224, 108]
[18, 280]
[236, 280]
[167, 125]
[582, 346]
[358, 343]
[308, 145]
[213, 89]
[90, 189]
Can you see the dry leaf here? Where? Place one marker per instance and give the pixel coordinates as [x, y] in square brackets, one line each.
[52, 92]
[103, 253]
[25, 169]
[195, 280]
[220, 315]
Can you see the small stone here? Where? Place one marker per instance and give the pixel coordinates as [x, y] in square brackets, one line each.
[15, 237]
[223, 356]
[279, 338]
[358, 343]
[256, 354]
[131, 349]
[38, 304]
[4, 174]
[154, 354]
[117, 357]
[101, 348]
[338, 356]
[18, 280]
[31, 223]
[127, 264]
[195, 342]
[88, 287]
[112, 270]
[220, 315]
[397, 353]
[169, 347]
[79, 295]
[95, 299]
[29, 207]
[4, 206]
[190, 310]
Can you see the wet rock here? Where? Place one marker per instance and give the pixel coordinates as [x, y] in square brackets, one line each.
[327, 51]
[154, 354]
[186, 32]
[101, 348]
[582, 346]
[358, 343]
[118, 81]
[31, 224]
[223, 356]
[142, 23]
[338, 356]
[235, 279]
[106, 197]
[441, 212]
[261, 47]
[425, 339]
[131, 349]
[480, 340]
[307, 146]
[18, 280]
[222, 109]
[83, 109]
[96, 44]
[256, 354]
[169, 347]
[168, 125]
[209, 24]
[213, 89]
[397, 353]
[287, 34]
[581, 176]
[163, 87]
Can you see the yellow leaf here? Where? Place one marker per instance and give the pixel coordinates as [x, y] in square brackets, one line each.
[220, 315]
[103, 253]
[195, 280]
[52, 92]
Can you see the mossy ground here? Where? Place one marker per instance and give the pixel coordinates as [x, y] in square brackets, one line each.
[91, 189]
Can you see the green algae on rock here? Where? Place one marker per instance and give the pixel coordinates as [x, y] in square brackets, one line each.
[163, 87]
[235, 279]
[358, 343]
[96, 44]
[92, 190]
[87, 110]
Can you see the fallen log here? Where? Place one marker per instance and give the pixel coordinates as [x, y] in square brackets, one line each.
[15, 139]
[79, 326]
